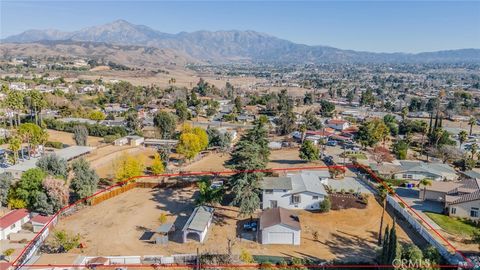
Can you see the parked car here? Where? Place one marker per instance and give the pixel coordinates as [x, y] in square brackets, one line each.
[332, 143]
[250, 226]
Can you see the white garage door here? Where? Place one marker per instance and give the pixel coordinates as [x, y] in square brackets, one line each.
[280, 238]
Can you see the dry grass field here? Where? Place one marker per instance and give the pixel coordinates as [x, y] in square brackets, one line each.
[115, 226]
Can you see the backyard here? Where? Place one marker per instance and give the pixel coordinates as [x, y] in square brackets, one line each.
[115, 226]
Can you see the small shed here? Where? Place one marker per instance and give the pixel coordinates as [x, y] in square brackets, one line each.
[198, 223]
[135, 140]
[39, 221]
[161, 233]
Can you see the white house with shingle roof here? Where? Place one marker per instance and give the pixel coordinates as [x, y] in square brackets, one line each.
[294, 191]
[418, 170]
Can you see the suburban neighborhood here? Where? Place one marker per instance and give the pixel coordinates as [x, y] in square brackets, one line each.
[124, 147]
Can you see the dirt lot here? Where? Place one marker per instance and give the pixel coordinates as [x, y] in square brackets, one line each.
[67, 138]
[284, 158]
[115, 226]
[104, 158]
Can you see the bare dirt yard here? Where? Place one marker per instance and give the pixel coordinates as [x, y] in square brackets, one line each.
[103, 159]
[284, 158]
[67, 138]
[115, 226]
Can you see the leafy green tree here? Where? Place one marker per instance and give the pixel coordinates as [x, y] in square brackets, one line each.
[311, 121]
[326, 108]
[80, 135]
[208, 194]
[29, 187]
[308, 151]
[367, 98]
[32, 134]
[85, 180]
[166, 123]
[53, 165]
[218, 139]
[14, 145]
[400, 149]
[411, 252]
[372, 132]
[181, 110]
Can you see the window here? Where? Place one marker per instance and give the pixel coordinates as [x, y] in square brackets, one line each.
[453, 210]
[407, 176]
[295, 199]
[315, 197]
[268, 191]
[474, 212]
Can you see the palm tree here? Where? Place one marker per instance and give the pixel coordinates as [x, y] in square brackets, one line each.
[471, 122]
[474, 149]
[383, 191]
[462, 137]
[425, 182]
[404, 113]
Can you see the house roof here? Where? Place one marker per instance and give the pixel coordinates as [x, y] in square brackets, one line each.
[439, 169]
[277, 183]
[41, 219]
[307, 182]
[279, 215]
[471, 174]
[199, 219]
[337, 121]
[12, 217]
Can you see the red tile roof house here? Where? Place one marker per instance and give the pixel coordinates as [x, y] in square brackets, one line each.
[338, 124]
[12, 222]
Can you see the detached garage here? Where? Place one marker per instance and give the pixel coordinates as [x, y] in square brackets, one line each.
[280, 226]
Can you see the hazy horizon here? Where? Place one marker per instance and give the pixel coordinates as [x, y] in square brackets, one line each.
[382, 26]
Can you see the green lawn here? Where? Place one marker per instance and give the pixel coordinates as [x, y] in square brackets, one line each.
[452, 225]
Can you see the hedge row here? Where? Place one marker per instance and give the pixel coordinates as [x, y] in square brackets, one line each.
[96, 130]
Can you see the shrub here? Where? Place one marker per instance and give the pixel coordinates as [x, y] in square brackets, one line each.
[246, 256]
[325, 205]
[111, 138]
[57, 145]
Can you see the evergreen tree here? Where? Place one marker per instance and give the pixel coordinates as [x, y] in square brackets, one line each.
[251, 153]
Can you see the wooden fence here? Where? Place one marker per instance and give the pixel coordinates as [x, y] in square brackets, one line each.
[170, 183]
[112, 193]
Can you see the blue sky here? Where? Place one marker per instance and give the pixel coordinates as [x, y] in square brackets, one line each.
[380, 26]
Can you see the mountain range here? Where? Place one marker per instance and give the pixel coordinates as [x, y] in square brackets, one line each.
[231, 46]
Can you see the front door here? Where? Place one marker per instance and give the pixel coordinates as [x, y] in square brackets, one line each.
[273, 204]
